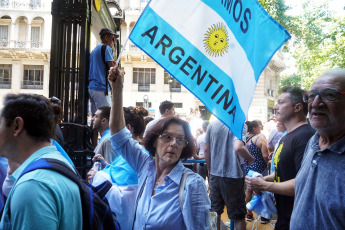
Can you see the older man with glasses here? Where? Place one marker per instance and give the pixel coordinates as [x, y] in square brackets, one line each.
[320, 183]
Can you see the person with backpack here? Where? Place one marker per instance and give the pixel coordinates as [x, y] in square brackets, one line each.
[101, 59]
[160, 173]
[40, 199]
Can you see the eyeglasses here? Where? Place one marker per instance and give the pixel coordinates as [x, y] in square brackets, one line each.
[327, 96]
[168, 139]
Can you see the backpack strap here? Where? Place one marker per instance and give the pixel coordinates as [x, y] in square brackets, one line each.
[181, 189]
[106, 68]
[55, 165]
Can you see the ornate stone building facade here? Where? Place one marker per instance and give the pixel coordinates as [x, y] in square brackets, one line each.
[25, 34]
[267, 89]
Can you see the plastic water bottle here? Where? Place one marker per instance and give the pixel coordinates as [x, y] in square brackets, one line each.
[97, 165]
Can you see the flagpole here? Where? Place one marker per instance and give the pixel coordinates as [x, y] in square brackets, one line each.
[123, 47]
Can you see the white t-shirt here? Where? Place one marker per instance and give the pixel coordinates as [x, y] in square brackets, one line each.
[200, 143]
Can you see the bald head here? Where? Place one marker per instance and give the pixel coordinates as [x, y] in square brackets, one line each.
[337, 76]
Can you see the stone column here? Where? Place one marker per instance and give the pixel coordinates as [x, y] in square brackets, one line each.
[28, 38]
[127, 34]
[12, 38]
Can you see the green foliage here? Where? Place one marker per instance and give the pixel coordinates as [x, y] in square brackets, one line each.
[293, 80]
[318, 42]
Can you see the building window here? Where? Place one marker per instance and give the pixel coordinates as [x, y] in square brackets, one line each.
[33, 77]
[3, 36]
[35, 37]
[144, 77]
[174, 85]
[178, 105]
[5, 76]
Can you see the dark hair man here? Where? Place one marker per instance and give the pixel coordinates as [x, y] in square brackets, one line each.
[40, 198]
[320, 183]
[166, 109]
[291, 110]
[101, 125]
[98, 85]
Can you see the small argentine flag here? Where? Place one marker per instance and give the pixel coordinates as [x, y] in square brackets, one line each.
[217, 49]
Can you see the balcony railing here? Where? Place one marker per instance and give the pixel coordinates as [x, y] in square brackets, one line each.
[5, 83]
[143, 88]
[21, 44]
[22, 4]
[27, 4]
[133, 47]
[3, 43]
[27, 84]
[36, 44]
[4, 3]
[175, 89]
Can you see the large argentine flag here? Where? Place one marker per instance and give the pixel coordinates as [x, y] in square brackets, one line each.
[216, 48]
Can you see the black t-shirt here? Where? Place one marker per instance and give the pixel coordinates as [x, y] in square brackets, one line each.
[287, 161]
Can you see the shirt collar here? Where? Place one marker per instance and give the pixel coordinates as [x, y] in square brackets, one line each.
[338, 147]
[176, 173]
[105, 134]
[32, 158]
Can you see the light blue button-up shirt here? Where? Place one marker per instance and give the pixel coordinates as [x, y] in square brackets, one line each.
[162, 211]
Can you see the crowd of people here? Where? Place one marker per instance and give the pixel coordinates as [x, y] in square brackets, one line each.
[300, 162]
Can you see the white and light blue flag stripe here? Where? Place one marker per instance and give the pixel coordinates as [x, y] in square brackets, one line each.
[217, 49]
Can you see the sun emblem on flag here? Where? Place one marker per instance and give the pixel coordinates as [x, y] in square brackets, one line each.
[216, 40]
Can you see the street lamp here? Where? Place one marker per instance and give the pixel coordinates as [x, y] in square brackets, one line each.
[146, 101]
[170, 86]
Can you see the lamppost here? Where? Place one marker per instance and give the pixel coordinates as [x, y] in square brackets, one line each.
[146, 101]
[170, 86]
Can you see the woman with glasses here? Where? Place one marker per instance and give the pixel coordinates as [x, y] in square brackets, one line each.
[160, 172]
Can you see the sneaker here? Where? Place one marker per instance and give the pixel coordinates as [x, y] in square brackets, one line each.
[264, 220]
[249, 217]
[227, 224]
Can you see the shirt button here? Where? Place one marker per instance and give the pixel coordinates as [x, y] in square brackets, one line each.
[314, 161]
[319, 154]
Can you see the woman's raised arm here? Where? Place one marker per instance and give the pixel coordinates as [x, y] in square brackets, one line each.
[117, 119]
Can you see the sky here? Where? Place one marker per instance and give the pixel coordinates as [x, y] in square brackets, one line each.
[335, 5]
